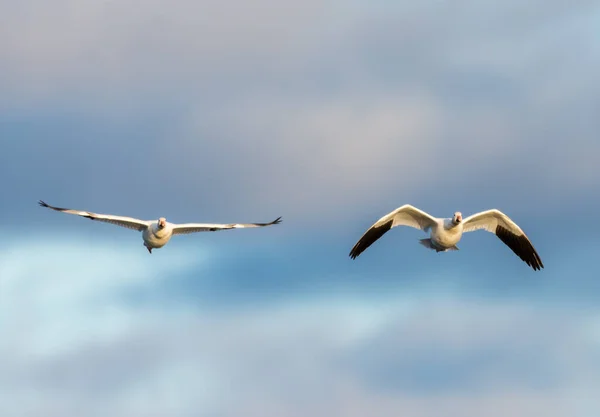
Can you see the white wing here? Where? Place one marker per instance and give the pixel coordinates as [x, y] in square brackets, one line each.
[494, 221]
[179, 229]
[406, 215]
[127, 222]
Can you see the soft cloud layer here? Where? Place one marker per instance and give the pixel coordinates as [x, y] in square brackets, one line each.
[95, 353]
[310, 110]
[40, 293]
[102, 46]
[134, 43]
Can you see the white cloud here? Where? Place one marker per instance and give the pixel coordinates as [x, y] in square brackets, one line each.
[112, 50]
[44, 283]
[105, 46]
[325, 151]
[92, 352]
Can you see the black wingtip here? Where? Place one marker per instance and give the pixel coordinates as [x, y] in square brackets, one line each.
[277, 220]
[370, 236]
[354, 252]
[521, 246]
[43, 203]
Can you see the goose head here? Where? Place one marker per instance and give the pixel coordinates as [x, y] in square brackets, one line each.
[457, 218]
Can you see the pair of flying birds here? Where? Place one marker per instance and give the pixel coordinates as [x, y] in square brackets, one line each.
[444, 233]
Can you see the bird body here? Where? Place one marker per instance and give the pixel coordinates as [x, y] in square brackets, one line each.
[156, 237]
[157, 233]
[445, 233]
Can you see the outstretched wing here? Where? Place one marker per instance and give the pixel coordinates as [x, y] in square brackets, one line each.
[179, 229]
[494, 221]
[406, 215]
[127, 222]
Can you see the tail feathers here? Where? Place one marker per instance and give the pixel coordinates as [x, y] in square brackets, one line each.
[428, 244]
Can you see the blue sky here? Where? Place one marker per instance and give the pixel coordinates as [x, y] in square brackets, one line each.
[329, 114]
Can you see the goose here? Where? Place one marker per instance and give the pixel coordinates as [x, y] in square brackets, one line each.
[445, 233]
[157, 233]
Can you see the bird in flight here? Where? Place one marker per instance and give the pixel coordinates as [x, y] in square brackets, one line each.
[445, 233]
[157, 233]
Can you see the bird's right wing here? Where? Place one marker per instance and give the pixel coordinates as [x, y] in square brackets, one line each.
[494, 221]
[127, 222]
[406, 215]
[179, 229]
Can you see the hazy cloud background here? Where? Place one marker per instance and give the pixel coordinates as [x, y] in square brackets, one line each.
[329, 114]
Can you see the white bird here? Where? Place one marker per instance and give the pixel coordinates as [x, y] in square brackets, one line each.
[157, 233]
[445, 233]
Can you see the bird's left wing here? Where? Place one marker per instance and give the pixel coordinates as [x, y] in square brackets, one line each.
[179, 229]
[128, 222]
[494, 221]
[405, 215]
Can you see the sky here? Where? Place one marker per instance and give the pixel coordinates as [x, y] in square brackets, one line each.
[329, 114]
